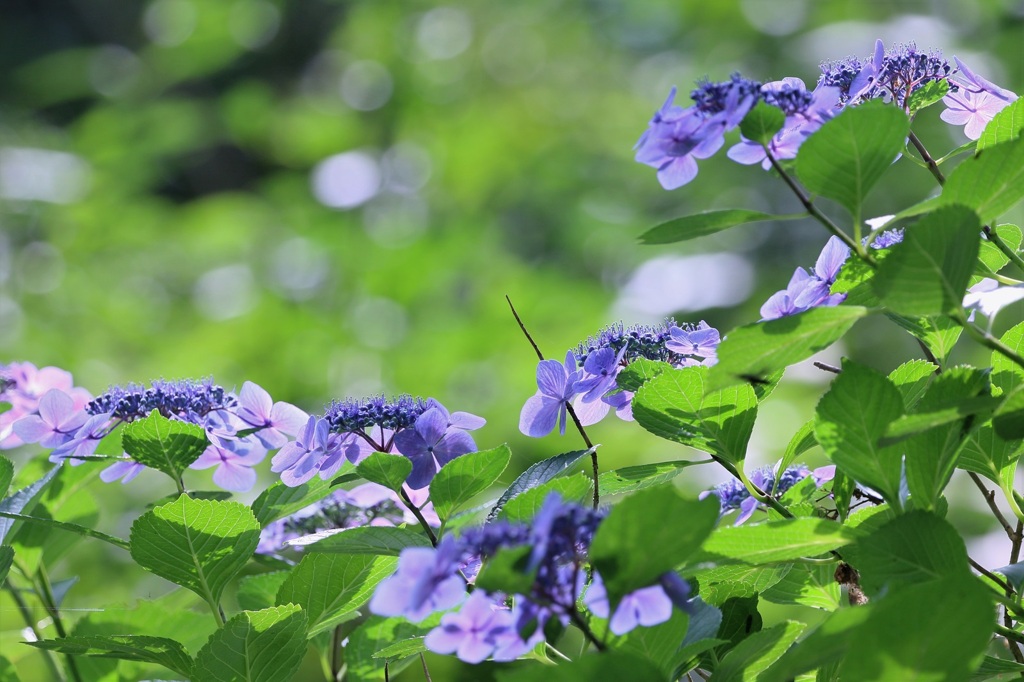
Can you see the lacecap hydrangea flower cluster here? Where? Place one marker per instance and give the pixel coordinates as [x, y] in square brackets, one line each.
[677, 137]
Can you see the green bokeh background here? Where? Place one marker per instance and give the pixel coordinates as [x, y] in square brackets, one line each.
[159, 214]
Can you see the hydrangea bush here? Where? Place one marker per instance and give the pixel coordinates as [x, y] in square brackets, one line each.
[388, 535]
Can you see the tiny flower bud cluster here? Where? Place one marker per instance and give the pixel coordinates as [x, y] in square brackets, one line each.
[428, 580]
[587, 377]
[421, 430]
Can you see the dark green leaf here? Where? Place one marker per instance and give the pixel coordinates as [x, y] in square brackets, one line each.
[160, 650]
[6, 475]
[677, 406]
[198, 544]
[6, 559]
[753, 655]
[255, 646]
[740, 619]
[621, 550]
[280, 500]
[703, 224]
[990, 258]
[23, 500]
[164, 445]
[1004, 126]
[997, 668]
[507, 571]
[990, 182]
[461, 479]
[911, 548]
[375, 540]
[754, 352]
[630, 479]
[606, 666]
[658, 644]
[385, 469]
[761, 123]
[952, 621]
[927, 273]
[7, 671]
[535, 475]
[407, 647]
[638, 372]
[1009, 417]
[927, 95]
[721, 583]
[259, 591]
[329, 587]
[523, 507]
[846, 157]
[375, 634]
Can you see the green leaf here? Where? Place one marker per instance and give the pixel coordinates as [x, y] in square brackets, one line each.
[1009, 417]
[605, 666]
[523, 507]
[911, 548]
[198, 544]
[927, 95]
[24, 500]
[1001, 668]
[537, 474]
[990, 182]
[952, 621]
[657, 644]
[630, 479]
[927, 273]
[773, 542]
[754, 352]
[329, 587]
[762, 123]
[677, 406]
[160, 650]
[990, 258]
[71, 527]
[507, 571]
[6, 559]
[938, 332]
[8, 673]
[844, 158]
[637, 373]
[1006, 374]
[754, 654]
[374, 635]
[621, 550]
[932, 454]
[987, 453]
[828, 643]
[259, 591]
[1004, 126]
[255, 646]
[703, 224]
[407, 647]
[162, 444]
[373, 540]
[461, 479]
[740, 619]
[802, 441]
[722, 583]
[385, 469]
[809, 585]
[1014, 574]
[850, 420]
[280, 500]
[6, 475]
[912, 379]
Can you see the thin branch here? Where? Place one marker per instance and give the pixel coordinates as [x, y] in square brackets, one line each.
[929, 161]
[419, 516]
[1017, 540]
[997, 579]
[26, 614]
[50, 603]
[990, 498]
[994, 237]
[426, 672]
[827, 368]
[526, 333]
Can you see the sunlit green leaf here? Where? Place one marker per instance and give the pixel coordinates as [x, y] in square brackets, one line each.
[255, 646]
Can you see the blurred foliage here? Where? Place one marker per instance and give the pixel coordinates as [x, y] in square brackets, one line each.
[332, 198]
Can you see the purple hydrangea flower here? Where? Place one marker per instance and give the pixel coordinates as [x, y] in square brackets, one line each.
[425, 581]
[56, 422]
[733, 495]
[599, 372]
[274, 421]
[810, 290]
[433, 442]
[555, 387]
[85, 441]
[474, 632]
[314, 451]
[125, 469]
[647, 606]
[234, 466]
[697, 346]
[975, 102]
[22, 385]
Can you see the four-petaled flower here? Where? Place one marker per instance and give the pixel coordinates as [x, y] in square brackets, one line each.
[273, 422]
[435, 440]
[315, 450]
[556, 383]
